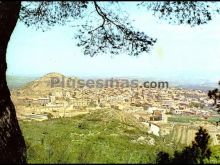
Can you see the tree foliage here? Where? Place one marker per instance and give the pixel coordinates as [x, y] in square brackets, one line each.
[215, 95]
[103, 31]
[46, 14]
[197, 153]
[105, 28]
[183, 12]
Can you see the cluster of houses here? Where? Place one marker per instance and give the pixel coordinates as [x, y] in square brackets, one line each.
[156, 102]
[149, 106]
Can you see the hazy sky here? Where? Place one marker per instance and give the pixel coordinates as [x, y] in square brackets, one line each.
[180, 51]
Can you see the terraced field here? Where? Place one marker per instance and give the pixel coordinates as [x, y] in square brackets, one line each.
[183, 134]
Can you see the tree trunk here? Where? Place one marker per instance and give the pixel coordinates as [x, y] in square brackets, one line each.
[12, 145]
[215, 101]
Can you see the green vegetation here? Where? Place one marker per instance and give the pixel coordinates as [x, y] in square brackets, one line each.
[184, 119]
[199, 152]
[99, 137]
[188, 119]
[215, 157]
[88, 139]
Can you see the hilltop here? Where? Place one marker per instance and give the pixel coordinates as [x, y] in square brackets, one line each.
[42, 86]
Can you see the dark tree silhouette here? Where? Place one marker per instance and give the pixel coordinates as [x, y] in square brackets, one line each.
[197, 153]
[201, 145]
[163, 158]
[215, 95]
[184, 12]
[113, 34]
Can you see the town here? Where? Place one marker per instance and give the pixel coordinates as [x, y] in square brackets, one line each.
[154, 107]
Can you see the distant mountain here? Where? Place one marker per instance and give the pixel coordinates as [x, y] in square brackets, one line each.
[203, 85]
[36, 84]
[43, 85]
[197, 83]
[43, 82]
[204, 88]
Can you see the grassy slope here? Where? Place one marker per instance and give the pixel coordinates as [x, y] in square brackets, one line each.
[100, 137]
[93, 138]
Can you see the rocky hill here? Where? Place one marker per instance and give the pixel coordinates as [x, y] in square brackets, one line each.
[43, 86]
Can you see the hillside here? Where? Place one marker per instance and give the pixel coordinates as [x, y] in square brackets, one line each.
[104, 125]
[41, 86]
[100, 137]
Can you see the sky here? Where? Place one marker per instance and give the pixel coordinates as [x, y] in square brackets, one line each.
[181, 52]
